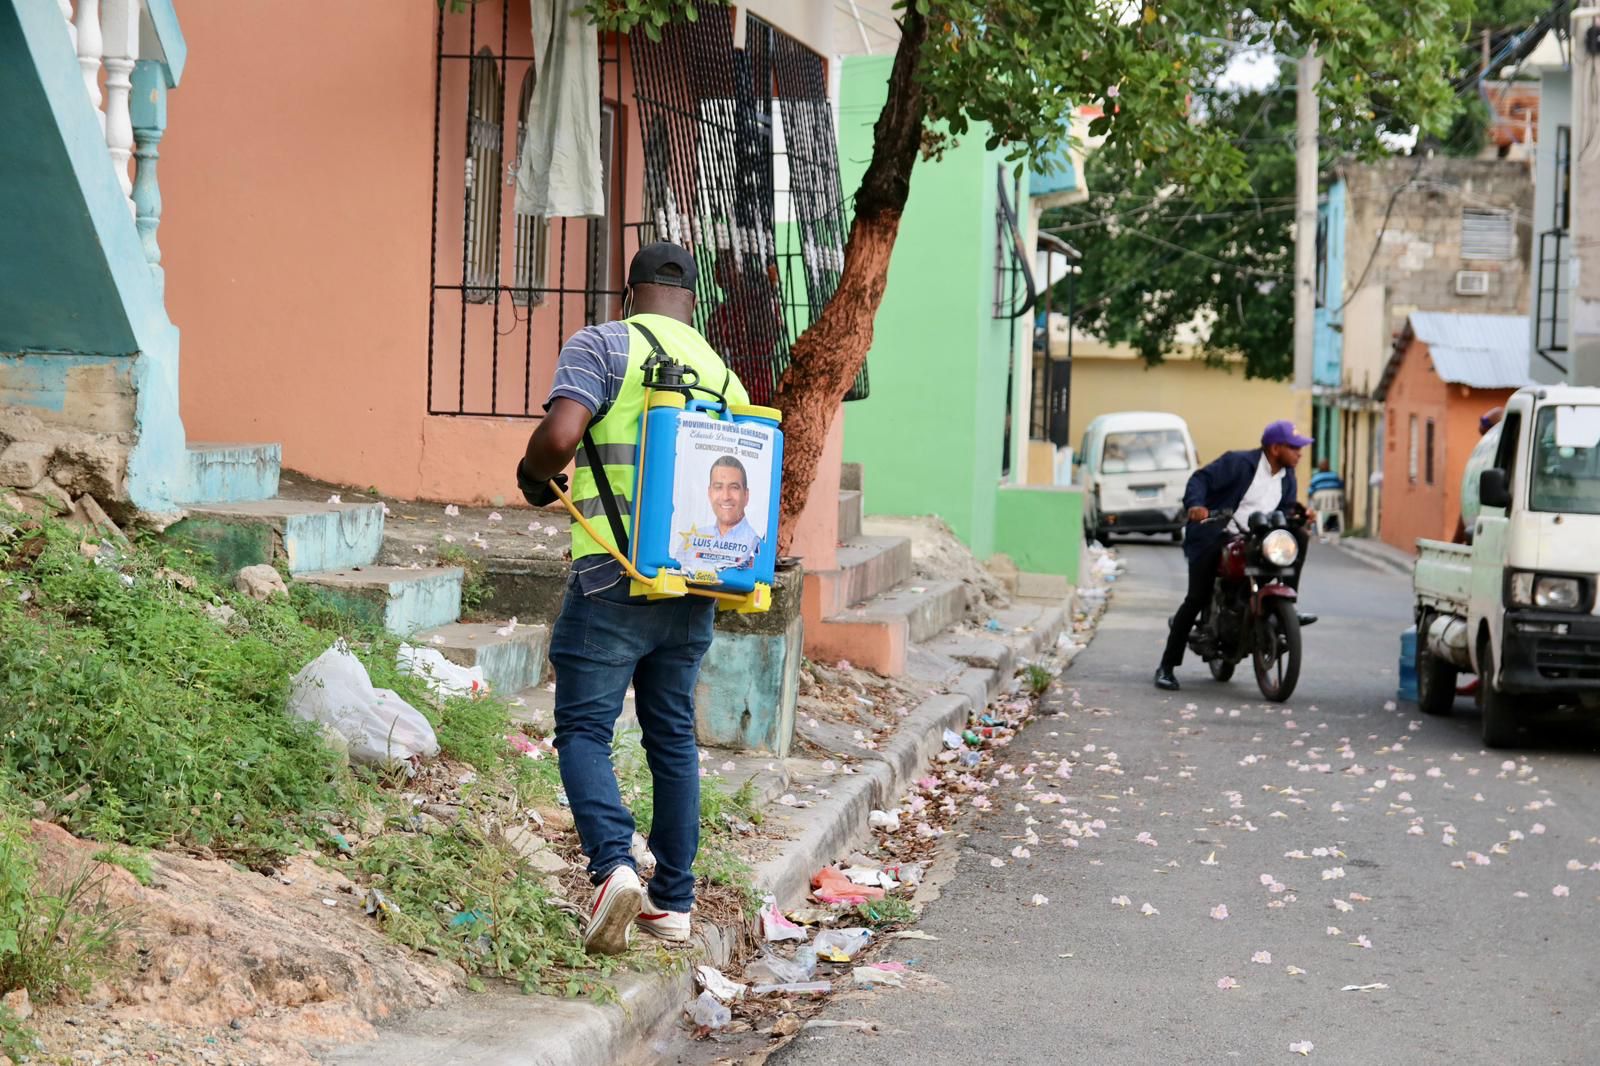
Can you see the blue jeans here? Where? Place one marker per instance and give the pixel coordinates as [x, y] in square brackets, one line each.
[601, 643]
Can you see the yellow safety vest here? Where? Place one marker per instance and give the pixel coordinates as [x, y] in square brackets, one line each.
[616, 433]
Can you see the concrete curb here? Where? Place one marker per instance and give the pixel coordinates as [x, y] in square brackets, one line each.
[1377, 555]
[500, 1028]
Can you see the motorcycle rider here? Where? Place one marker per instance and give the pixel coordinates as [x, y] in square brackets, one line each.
[1246, 482]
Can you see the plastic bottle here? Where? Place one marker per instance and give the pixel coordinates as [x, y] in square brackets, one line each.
[708, 1012]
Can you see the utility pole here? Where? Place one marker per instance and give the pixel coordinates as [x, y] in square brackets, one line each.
[1309, 71]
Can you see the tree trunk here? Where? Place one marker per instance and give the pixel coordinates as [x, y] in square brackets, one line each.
[827, 357]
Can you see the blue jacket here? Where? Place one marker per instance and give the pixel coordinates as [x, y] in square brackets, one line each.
[1220, 486]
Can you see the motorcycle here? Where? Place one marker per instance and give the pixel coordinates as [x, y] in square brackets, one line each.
[1253, 609]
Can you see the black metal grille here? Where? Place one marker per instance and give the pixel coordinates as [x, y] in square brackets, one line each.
[1552, 294]
[1014, 290]
[483, 332]
[1564, 658]
[507, 289]
[711, 144]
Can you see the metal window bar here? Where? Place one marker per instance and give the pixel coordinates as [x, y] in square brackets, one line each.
[533, 232]
[477, 324]
[1563, 199]
[705, 115]
[1552, 293]
[1014, 290]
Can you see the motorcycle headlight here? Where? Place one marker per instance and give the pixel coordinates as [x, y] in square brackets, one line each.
[1280, 548]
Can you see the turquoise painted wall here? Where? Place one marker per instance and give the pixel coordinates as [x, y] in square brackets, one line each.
[74, 277]
[931, 434]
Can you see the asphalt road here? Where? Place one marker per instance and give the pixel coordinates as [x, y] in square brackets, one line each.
[1452, 868]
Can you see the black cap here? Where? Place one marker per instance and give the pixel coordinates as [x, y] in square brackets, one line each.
[663, 263]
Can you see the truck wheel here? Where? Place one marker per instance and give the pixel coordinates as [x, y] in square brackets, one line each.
[1177, 536]
[1277, 650]
[1436, 677]
[1221, 669]
[1501, 724]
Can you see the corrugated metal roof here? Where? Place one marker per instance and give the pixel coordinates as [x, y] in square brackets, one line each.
[1479, 351]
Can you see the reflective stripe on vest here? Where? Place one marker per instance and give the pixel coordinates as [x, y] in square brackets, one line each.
[616, 433]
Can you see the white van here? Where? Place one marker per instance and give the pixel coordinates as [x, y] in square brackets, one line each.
[1133, 467]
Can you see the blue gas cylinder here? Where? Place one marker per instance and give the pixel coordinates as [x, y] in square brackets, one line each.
[706, 493]
[1408, 665]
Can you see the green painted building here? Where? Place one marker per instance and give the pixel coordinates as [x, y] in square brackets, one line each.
[932, 437]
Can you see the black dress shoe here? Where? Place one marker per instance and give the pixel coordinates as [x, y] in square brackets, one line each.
[1165, 681]
[1307, 620]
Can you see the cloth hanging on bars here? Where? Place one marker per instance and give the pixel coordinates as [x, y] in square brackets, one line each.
[560, 173]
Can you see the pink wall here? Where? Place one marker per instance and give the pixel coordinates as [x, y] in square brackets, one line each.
[297, 176]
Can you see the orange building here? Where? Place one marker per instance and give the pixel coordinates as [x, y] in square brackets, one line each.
[1447, 370]
[344, 257]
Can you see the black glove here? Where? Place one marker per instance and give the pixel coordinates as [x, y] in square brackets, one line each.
[536, 492]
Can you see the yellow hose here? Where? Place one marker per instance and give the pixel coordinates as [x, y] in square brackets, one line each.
[628, 566]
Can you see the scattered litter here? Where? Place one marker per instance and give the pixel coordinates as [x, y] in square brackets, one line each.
[1220, 911]
[1226, 983]
[830, 885]
[775, 927]
[876, 976]
[1039, 900]
[330, 903]
[952, 739]
[769, 968]
[375, 903]
[442, 676]
[794, 988]
[378, 726]
[1374, 987]
[913, 934]
[708, 1013]
[841, 945]
[1302, 1047]
[843, 1023]
[888, 821]
[715, 982]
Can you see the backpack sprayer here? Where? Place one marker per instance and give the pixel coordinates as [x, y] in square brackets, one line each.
[685, 440]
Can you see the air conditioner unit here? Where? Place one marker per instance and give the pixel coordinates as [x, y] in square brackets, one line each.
[1472, 283]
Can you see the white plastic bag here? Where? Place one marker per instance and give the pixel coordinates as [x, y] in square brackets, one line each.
[442, 676]
[381, 728]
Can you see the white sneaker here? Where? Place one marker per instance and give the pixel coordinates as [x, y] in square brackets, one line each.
[618, 901]
[668, 925]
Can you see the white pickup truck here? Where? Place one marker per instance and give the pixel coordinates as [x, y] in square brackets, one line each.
[1517, 605]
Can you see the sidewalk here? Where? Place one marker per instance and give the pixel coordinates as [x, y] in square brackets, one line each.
[954, 678]
[1378, 555]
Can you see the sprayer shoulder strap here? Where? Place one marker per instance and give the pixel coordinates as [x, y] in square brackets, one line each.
[656, 350]
[608, 499]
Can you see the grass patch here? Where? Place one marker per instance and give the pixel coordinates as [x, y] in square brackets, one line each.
[53, 939]
[1037, 678]
[145, 707]
[475, 588]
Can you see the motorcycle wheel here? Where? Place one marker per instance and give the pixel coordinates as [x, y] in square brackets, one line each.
[1276, 654]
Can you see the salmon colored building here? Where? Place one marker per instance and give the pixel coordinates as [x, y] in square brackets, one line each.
[1447, 370]
[344, 257]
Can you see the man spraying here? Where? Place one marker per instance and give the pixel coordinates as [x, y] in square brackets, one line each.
[605, 639]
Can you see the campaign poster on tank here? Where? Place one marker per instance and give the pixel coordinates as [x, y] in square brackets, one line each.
[722, 495]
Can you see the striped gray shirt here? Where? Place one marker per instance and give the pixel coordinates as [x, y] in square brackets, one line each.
[590, 370]
[591, 367]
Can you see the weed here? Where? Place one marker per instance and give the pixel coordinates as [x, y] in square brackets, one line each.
[136, 863]
[475, 590]
[16, 1039]
[891, 910]
[52, 940]
[1038, 678]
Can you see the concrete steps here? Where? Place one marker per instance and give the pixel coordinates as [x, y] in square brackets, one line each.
[233, 473]
[402, 600]
[511, 663]
[310, 536]
[868, 567]
[878, 633]
[850, 514]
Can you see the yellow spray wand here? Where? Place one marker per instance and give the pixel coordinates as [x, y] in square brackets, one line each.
[664, 588]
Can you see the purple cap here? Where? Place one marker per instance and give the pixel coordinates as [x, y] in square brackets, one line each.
[1283, 433]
